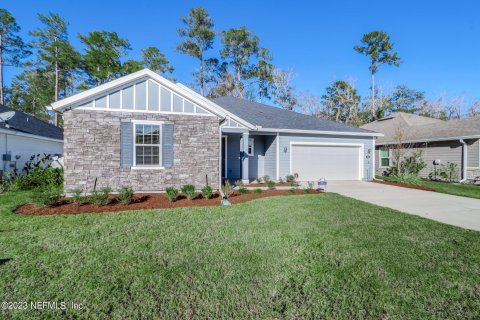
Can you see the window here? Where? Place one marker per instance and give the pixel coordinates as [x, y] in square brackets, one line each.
[384, 158]
[147, 145]
[250, 150]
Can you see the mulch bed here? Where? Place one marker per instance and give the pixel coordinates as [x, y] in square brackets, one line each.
[403, 185]
[148, 201]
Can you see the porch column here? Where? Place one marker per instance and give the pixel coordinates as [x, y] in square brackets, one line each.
[244, 157]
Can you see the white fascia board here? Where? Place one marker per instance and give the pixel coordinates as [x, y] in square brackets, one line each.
[332, 133]
[13, 132]
[430, 140]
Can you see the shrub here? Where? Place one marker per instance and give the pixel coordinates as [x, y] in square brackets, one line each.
[408, 178]
[258, 190]
[243, 190]
[38, 173]
[259, 179]
[266, 178]
[310, 184]
[77, 196]
[290, 178]
[189, 191]
[292, 190]
[239, 182]
[125, 194]
[207, 191]
[171, 193]
[227, 190]
[306, 190]
[294, 184]
[280, 180]
[100, 197]
[271, 184]
[449, 171]
[46, 197]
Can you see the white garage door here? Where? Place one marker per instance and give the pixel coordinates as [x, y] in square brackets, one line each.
[312, 162]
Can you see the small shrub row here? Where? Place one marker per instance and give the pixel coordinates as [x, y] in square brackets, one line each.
[189, 191]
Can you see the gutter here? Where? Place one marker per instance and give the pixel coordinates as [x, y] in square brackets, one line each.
[464, 162]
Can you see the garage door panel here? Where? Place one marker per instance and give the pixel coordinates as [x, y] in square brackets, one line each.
[312, 162]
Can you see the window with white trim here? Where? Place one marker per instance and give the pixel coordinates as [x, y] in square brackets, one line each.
[148, 146]
[250, 150]
[384, 157]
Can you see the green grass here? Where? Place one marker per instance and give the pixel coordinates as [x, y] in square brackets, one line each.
[308, 256]
[456, 189]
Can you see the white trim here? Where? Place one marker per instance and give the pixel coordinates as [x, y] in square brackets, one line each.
[334, 133]
[252, 154]
[361, 152]
[432, 140]
[147, 107]
[160, 145]
[148, 111]
[374, 164]
[150, 122]
[147, 168]
[277, 167]
[380, 158]
[225, 153]
[14, 132]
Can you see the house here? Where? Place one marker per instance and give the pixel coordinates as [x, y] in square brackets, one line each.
[23, 136]
[454, 141]
[147, 132]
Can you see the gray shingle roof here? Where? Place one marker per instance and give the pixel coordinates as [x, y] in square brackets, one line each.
[417, 128]
[272, 117]
[29, 124]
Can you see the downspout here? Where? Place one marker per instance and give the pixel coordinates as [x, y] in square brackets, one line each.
[464, 161]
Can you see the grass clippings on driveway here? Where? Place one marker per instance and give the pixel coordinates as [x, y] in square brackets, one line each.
[312, 256]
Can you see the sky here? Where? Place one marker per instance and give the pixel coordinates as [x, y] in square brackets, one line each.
[438, 41]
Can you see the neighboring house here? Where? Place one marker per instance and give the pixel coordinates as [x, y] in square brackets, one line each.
[24, 136]
[454, 141]
[149, 133]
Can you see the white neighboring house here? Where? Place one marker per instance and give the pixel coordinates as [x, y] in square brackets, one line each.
[23, 136]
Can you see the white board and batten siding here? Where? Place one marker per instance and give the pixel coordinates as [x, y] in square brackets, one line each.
[145, 95]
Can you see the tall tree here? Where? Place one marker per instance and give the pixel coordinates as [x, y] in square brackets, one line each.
[55, 52]
[199, 36]
[152, 59]
[341, 102]
[404, 99]
[283, 91]
[239, 47]
[12, 47]
[263, 73]
[377, 46]
[102, 59]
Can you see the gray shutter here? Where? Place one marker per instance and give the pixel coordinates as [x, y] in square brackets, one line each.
[126, 144]
[167, 145]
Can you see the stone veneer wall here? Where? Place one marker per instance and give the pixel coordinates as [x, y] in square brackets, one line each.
[92, 150]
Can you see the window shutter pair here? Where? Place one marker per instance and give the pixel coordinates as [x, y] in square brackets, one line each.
[126, 144]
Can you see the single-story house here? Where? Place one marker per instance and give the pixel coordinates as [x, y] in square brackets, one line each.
[147, 132]
[23, 136]
[455, 141]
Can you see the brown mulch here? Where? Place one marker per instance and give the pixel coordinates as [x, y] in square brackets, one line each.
[403, 185]
[148, 201]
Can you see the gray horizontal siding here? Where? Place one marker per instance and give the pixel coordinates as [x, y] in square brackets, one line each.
[233, 152]
[285, 140]
[473, 154]
[270, 160]
[256, 162]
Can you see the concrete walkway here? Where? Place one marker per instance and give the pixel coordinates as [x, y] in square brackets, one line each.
[454, 210]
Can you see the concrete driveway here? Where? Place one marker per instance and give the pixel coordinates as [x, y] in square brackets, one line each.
[454, 210]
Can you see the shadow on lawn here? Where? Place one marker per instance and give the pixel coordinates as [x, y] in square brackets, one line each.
[3, 261]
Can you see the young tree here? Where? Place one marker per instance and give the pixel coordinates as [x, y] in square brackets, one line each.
[199, 38]
[239, 47]
[377, 46]
[341, 102]
[474, 109]
[404, 99]
[283, 92]
[102, 60]
[55, 53]
[12, 47]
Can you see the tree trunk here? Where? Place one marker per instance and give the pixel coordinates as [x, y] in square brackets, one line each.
[202, 88]
[1, 71]
[56, 75]
[373, 97]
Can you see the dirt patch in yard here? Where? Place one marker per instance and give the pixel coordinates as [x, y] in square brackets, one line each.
[403, 185]
[148, 201]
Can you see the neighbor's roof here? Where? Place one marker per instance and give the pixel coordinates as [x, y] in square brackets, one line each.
[417, 128]
[275, 118]
[29, 124]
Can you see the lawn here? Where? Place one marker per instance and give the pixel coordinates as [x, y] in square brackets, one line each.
[306, 256]
[464, 190]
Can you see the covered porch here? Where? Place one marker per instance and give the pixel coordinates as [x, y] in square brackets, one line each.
[246, 155]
